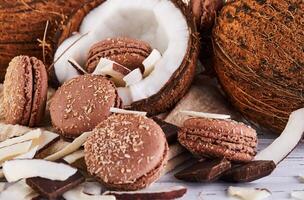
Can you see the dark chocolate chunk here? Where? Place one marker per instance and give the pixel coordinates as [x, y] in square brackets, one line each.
[170, 130]
[204, 171]
[50, 189]
[45, 198]
[249, 172]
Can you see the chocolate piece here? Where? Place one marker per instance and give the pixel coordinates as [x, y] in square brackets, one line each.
[249, 172]
[170, 130]
[204, 171]
[54, 189]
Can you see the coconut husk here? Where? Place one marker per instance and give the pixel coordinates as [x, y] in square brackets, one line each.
[179, 82]
[259, 58]
[23, 27]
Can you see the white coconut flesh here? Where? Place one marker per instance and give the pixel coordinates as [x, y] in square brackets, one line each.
[157, 22]
[287, 141]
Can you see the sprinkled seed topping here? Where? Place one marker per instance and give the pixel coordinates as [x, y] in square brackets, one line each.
[84, 101]
[118, 148]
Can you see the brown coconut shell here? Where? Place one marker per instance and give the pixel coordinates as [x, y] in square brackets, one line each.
[259, 58]
[179, 82]
[23, 23]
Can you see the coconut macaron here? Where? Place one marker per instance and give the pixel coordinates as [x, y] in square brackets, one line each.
[219, 138]
[25, 91]
[126, 152]
[82, 103]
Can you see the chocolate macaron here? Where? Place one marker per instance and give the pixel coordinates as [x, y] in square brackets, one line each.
[82, 103]
[219, 138]
[125, 51]
[25, 91]
[126, 152]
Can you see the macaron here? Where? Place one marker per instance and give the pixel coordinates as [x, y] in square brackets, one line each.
[125, 51]
[126, 152]
[82, 103]
[219, 139]
[25, 91]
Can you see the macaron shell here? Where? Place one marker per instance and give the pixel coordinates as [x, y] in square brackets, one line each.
[81, 104]
[40, 91]
[219, 138]
[18, 90]
[125, 51]
[126, 152]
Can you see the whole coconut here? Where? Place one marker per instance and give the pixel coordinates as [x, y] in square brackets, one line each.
[22, 27]
[259, 58]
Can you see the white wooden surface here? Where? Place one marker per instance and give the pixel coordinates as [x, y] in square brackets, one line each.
[281, 182]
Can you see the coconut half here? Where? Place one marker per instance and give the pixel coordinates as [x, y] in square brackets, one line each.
[166, 25]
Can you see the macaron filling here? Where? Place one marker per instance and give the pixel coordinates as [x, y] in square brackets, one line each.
[161, 24]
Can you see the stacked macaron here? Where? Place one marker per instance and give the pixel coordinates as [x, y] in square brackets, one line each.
[25, 91]
[219, 138]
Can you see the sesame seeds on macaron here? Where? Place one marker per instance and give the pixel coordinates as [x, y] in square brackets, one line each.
[82, 103]
[126, 152]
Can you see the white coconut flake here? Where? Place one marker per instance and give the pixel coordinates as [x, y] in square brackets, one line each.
[28, 155]
[70, 148]
[77, 66]
[150, 62]
[248, 193]
[17, 191]
[110, 68]
[73, 157]
[161, 24]
[46, 138]
[7, 153]
[34, 134]
[298, 195]
[205, 115]
[122, 111]
[78, 194]
[287, 141]
[133, 77]
[36, 168]
[92, 188]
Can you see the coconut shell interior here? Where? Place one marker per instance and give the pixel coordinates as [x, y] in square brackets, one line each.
[179, 82]
[259, 58]
[23, 23]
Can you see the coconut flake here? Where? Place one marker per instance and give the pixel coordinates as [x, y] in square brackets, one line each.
[177, 161]
[248, 193]
[34, 134]
[16, 191]
[7, 153]
[46, 138]
[133, 77]
[92, 188]
[150, 62]
[299, 195]
[287, 141]
[8, 131]
[153, 192]
[70, 148]
[36, 168]
[74, 64]
[110, 68]
[73, 157]
[78, 194]
[161, 24]
[205, 115]
[122, 111]
[28, 155]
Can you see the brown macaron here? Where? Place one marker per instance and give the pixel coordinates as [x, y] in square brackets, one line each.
[125, 51]
[126, 152]
[25, 91]
[219, 138]
[82, 103]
